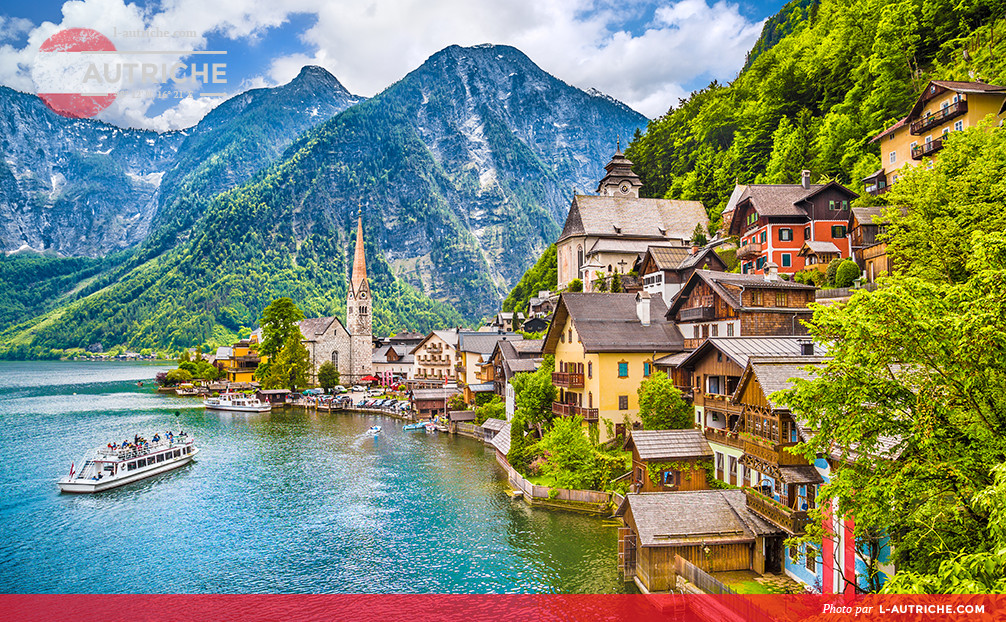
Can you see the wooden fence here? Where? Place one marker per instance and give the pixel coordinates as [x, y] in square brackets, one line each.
[698, 577]
[469, 429]
[533, 491]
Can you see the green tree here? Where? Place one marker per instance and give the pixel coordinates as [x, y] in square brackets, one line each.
[534, 394]
[569, 455]
[290, 368]
[279, 326]
[176, 377]
[576, 285]
[699, 235]
[847, 272]
[457, 402]
[616, 283]
[661, 406]
[328, 376]
[493, 409]
[832, 272]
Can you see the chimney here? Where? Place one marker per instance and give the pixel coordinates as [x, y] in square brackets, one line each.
[771, 271]
[643, 308]
[695, 249]
[806, 347]
[805, 179]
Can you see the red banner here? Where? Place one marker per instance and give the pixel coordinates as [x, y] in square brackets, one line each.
[475, 608]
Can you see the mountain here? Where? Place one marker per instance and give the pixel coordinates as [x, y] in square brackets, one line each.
[82, 187]
[462, 170]
[825, 78]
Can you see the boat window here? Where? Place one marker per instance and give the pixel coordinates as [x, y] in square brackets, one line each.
[174, 454]
[160, 457]
[131, 466]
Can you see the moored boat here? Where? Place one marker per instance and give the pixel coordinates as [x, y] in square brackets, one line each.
[410, 427]
[374, 429]
[113, 466]
[237, 402]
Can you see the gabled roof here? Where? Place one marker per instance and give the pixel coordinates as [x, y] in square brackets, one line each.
[450, 336]
[380, 355]
[608, 323]
[741, 349]
[781, 200]
[775, 373]
[434, 394]
[693, 517]
[632, 217]
[502, 440]
[865, 215]
[669, 444]
[313, 327]
[484, 342]
[735, 196]
[461, 415]
[719, 281]
[819, 247]
[495, 424]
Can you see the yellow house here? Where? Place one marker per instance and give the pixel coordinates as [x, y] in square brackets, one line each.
[604, 347]
[436, 356]
[943, 107]
[241, 361]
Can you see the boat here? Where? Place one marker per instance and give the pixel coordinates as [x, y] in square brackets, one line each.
[237, 402]
[107, 467]
[419, 425]
[374, 429]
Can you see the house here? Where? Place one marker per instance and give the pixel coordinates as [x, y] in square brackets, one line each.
[943, 107]
[240, 360]
[473, 352]
[436, 356]
[507, 321]
[393, 361]
[611, 231]
[712, 529]
[543, 304]
[773, 221]
[537, 324]
[665, 269]
[510, 358]
[491, 427]
[715, 369]
[604, 347]
[724, 304]
[454, 417]
[817, 254]
[866, 224]
[430, 403]
[668, 460]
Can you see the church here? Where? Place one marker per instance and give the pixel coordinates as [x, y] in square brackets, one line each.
[349, 347]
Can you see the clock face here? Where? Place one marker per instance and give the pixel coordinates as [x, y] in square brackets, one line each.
[624, 188]
[362, 296]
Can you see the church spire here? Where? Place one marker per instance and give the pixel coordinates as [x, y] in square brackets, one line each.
[360, 260]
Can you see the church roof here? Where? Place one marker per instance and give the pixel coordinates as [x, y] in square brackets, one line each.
[619, 169]
[314, 327]
[360, 259]
[633, 217]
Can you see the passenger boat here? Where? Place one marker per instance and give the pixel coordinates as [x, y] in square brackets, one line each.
[106, 468]
[237, 402]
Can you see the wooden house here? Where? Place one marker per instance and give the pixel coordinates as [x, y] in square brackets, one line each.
[866, 224]
[712, 529]
[723, 304]
[668, 460]
[430, 403]
[665, 269]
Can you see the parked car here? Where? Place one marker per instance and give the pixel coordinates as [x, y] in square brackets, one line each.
[361, 404]
[339, 389]
[375, 392]
[358, 388]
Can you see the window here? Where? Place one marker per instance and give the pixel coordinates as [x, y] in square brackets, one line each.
[806, 233]
[696, 334]
[929, 139]
[335, 358]
[705, 331]
[131, 465]
[623, 370]
[913, 145]
[794, 554]
[785, 235]
[590, 399]
[160, 457]
[959, 126]
[811, 559]
[756, 298]
[571, 335]
[623, 402]
[714, 385]
[787, 260]
[946, 131]
[715, 328]
[845, 205]
[893, 156]
[590, 369]
[831, 205]
[562, 337]
[763, 237]
[780, 299]
[730, 329]
[646, 369]
[838, 232]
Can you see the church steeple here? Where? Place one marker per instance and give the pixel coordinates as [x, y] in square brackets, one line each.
[358, 282]
[620, 180]
[359, 319]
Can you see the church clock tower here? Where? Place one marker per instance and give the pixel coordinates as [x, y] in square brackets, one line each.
[359, 322]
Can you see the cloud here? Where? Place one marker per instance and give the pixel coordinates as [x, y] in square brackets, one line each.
[645, 53]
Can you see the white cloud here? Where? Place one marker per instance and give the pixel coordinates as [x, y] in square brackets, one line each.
[370, 44]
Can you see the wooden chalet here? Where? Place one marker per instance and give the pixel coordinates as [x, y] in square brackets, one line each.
[865, 226]
[665, 269]
[674, 457]
[430, 403]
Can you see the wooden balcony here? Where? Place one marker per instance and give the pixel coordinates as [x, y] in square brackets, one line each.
[567, 380]
[938, 118]
[925, 149]
[723, 438]
[792, 521]
[569, 410]
[749, 250]
[773, 454]
[698, 314]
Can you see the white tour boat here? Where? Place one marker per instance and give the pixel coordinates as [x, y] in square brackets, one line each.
[237, 402]
[107, 468]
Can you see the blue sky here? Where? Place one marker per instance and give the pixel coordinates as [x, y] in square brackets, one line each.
[646, 53]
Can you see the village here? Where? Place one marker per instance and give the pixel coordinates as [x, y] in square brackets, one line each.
[646, 292]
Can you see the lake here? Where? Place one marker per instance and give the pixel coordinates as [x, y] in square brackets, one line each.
[286, 502]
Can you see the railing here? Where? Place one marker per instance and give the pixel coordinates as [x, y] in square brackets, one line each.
[793, 521]
[694, 314]
[876, 189]
[724, 438]
[569, 410]
[927, 148]
[692, 343]
[751, 249]
[698, 577]
[568, 380]
[774, 454]
[842, 292]
[534, 491]
[955, 109]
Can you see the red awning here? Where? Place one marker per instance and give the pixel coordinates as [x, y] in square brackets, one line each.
[369, 379]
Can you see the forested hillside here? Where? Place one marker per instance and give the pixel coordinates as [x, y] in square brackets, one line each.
[814, 98]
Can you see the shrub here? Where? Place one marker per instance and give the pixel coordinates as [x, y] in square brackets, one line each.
[576, 285]
[833, 271]
[847, 272]
[176, 377]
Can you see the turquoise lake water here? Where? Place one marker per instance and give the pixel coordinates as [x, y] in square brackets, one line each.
[285, 502]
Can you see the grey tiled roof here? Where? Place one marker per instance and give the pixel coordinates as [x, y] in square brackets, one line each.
[669, 444]
[433, 394]
[495, 424]
[774, 373]
[819, 246]
[718, 280]
[672, 359]
[608, 323]
[631, 217]
[528, 346]
[608, 245]
[669, 257]
[691, 517]
[484, 342]
[502, 440]
[380, 355]
[461, 415]
[740, 349]
[312, 327]
[800, 475]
